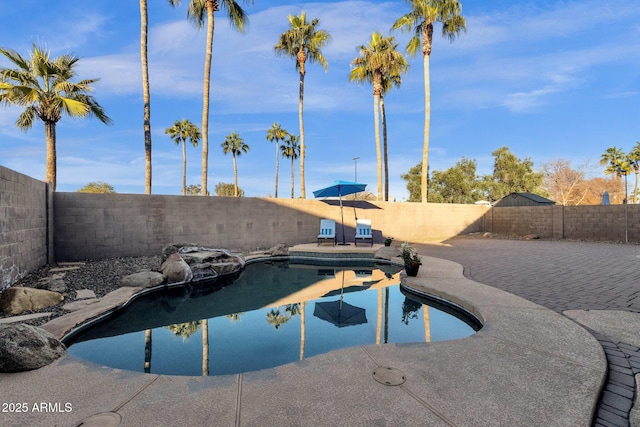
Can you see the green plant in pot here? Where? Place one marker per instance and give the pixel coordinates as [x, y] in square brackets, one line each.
[412, 260]
[388, 241]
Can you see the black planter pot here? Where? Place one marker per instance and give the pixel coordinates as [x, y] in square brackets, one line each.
[412, 270]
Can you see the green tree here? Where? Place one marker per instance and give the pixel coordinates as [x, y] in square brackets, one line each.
[616, 164]
[423, 14]
[510, 174]
[224, 189]
[97, 187]
[197, 11]
[413, 178]
[458, 184]
[235, 145]
[378, 63]
[291, 150]
[145, 94]
[43, 86]
[303, 41]
[180, 132]
[277, 134]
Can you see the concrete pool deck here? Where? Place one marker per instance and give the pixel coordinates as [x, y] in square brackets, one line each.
[528, 366]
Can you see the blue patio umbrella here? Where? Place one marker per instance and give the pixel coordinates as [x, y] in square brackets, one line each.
[339, 189]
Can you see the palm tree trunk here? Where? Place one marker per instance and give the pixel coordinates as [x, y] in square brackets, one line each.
[147, 351]
[50, 137]
[302, 146]
[235, 177]
[184, 167]
[205, 98]
[385, 149]
[635, 188]
[293, 177]
[146, 94]
[277, 164]
[205, 347]
[376, 120]
[427, 40]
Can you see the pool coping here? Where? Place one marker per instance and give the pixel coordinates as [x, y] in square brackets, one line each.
[527, 366]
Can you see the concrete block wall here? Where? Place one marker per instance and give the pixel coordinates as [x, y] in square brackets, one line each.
[593, 223]
[24, 235]
[93, 226]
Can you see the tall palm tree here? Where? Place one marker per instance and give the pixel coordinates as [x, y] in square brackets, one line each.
[634, 160]
[381, 64]
[291, 150]
[43, 86]
[235, 145]
[423, 14]
[277, 134]
[303, 41]
[197, 11]
[145, 94]
[616, 163]
[179, 133]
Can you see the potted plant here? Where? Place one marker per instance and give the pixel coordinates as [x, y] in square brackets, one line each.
[412, 260]
[388, 241]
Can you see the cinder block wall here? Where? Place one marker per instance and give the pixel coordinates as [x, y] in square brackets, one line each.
[23, 225]
[594, 223]
[91, 226]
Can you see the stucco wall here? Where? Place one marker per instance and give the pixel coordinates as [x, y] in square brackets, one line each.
[90, 226]
[23, 225]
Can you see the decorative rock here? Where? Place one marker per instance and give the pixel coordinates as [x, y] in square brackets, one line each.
[387, 252]
[25, 347]
[531, 237]
[281, 249]
[85, 294]
[142, 279]
[80, 304]
[53, 283]
[205, 263]
[17, 300]
[176, 270]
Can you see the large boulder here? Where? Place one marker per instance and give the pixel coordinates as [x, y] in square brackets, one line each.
[17, 300]
[176, 270]
[205, 263]
[142, 279]
[26, 347]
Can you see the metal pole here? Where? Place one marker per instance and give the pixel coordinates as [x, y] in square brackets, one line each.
[355, 159]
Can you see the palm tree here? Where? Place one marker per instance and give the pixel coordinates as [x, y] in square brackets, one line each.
[291, 150]
[43, 86]
[197, 11]
[381, 64]
[277, 134]
[145, 94]
[180, 132]
[303, 41]
[235, 145]
[616, 164]
[634, 160]
[423, 14]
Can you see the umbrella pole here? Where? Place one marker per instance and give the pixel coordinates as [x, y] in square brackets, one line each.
[342, 216]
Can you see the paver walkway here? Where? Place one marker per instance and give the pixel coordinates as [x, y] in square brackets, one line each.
[564, 276]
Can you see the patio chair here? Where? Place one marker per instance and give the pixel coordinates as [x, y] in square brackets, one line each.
[363, 230]
[327, 231]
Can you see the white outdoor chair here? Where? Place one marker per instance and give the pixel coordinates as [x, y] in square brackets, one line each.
[327, 231]
[363, 230]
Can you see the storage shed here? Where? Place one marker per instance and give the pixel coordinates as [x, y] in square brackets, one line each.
[523, 199]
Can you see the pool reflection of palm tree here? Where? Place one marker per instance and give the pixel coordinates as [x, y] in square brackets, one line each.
[275, 318]
[184, 330]
[205, 347]
[147, 351]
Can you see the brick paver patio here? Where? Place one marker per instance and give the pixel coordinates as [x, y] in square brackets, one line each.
[563, 276]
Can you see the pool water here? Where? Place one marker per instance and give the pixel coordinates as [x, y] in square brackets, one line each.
[273, 313]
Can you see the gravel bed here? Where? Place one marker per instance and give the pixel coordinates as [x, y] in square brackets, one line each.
[101, 276]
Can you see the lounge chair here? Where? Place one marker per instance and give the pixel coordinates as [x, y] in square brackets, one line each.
[327, 231]
[363, 230]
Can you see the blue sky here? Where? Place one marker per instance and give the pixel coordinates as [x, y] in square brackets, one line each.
[549, 79]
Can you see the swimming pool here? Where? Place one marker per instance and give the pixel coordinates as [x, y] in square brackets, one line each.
[271, 314]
